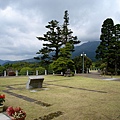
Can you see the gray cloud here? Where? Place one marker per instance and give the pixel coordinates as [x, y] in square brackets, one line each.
[22, 20]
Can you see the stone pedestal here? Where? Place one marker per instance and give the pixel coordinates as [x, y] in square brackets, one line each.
[34, 82]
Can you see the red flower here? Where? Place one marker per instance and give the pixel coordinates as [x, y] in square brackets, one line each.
[2, 96]
[16, 112]
[2, 99]
[10, 111]
[17, 109]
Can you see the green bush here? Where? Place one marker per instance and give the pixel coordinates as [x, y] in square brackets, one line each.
[2, 70]
[41, 70]
[23, 71]
[50, 69]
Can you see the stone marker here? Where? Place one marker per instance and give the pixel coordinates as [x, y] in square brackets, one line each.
[36, 72]
[16, 72]
[34, 82]
[45, 72]
[27, 73]
[4, 73]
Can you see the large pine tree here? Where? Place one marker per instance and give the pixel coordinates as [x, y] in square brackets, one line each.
[53, 40]
[56, 37]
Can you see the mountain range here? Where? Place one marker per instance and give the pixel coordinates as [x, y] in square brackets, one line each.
[88, 48]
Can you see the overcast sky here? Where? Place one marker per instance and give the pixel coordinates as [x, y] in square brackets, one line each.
[22, 20]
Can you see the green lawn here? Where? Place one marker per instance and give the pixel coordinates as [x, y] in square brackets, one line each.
[78, 98]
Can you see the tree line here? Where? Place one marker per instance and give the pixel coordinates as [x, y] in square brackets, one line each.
[22, 68]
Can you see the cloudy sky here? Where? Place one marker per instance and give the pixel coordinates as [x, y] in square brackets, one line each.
[22, 20]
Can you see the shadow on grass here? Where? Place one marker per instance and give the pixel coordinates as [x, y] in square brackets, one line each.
[50, 116]
[76, 88]
[27, 98]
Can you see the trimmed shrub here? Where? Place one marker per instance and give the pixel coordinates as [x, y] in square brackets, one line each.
[41, 70]
[23, 71]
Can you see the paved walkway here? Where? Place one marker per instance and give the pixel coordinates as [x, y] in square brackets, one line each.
[95, 74]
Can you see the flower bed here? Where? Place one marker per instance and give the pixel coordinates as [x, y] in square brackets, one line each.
[16, 113]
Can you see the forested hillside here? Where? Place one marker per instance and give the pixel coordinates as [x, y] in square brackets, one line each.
[88, 48]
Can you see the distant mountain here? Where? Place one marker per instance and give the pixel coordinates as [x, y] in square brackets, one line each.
[32, 60]
[3, 61]
[88, 48]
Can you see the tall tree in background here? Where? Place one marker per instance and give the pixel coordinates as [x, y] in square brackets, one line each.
[107, 50]
[103, 50]
[53, 40]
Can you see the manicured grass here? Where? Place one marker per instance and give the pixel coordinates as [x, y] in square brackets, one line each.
[79, 98]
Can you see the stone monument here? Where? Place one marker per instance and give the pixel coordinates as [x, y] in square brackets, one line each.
[34, 82]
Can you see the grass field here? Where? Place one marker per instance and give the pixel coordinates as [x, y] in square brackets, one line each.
[78, 98]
